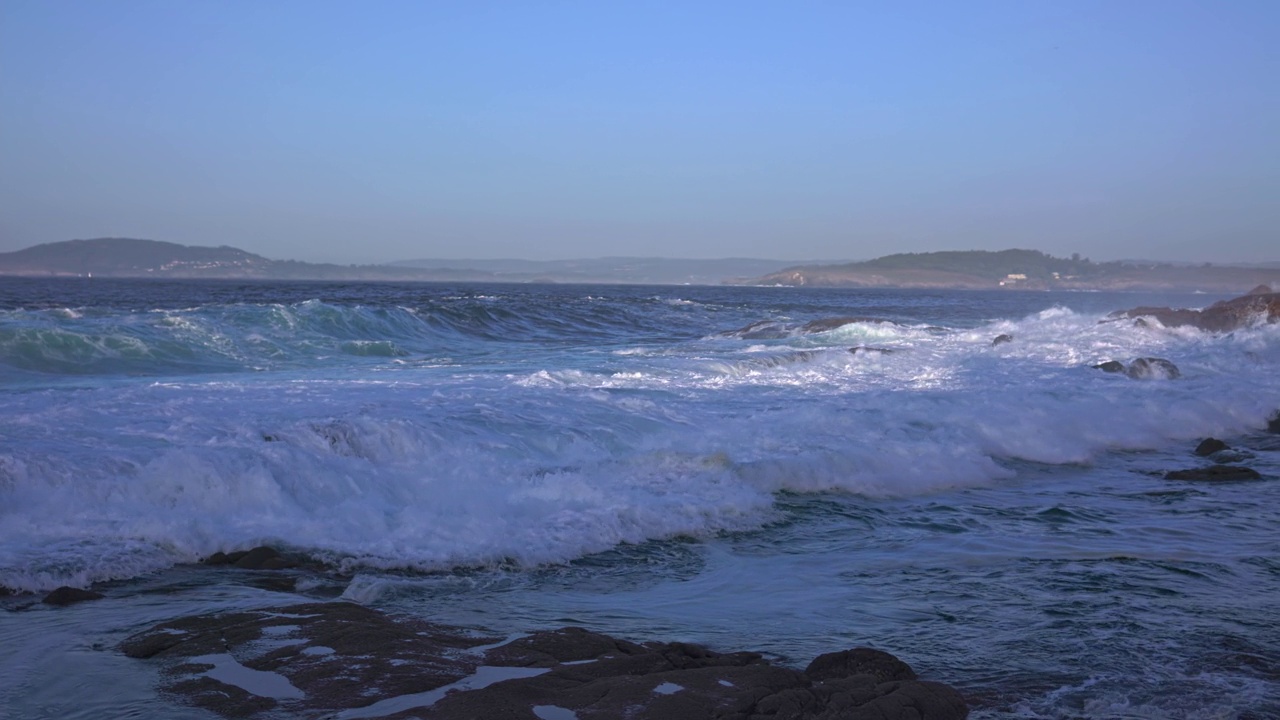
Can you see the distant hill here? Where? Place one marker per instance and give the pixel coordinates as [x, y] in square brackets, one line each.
[973, 269]
[124, 256]
[130, 257]
[1021, 270]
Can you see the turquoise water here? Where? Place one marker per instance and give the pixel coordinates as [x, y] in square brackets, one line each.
[706, 464]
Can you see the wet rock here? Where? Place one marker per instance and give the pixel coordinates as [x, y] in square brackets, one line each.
[863, 349]
[1001, 339]
[1273, 423]
[859, 661]
[1209, 446]
[827, 324]
[1223, 316]
[1151, 368]
[759, 330]
[1215, 473]
[775, 330]
[264, 558]
[1144, 368]
[679, 680]
[226, 700]
[259, 558]
[221, 558]
[570, 644]
[68, 595]
[343, 656]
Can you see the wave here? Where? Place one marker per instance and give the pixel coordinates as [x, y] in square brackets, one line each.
[253, 337]
[539, 450]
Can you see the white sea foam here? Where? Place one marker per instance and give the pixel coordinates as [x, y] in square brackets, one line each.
[531, 465]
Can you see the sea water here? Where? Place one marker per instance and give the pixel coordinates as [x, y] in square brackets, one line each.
[793, 471]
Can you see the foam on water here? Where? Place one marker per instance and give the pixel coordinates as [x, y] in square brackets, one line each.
[580, 451]
[633, 456]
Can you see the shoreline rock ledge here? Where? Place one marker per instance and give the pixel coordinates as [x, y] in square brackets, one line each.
[1260, 305]
[340, 660]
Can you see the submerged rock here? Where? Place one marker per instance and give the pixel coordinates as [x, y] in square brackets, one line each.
[862, 349]
[1151, 368]
[827, 324]
[340, 656]
[1000, 339]
[1209, 446]
[1215, 473]
[68, 595]
[1144, 368]
[259, 558]
[776, 330]
[759, 330]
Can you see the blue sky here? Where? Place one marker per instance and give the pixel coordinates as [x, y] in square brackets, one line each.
[375, 131]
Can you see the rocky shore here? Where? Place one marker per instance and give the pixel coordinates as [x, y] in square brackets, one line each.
[341, 660]
[1260, 305]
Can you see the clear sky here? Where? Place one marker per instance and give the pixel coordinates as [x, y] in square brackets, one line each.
[375, 131]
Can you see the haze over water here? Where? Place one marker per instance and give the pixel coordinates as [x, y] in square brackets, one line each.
[680, 463]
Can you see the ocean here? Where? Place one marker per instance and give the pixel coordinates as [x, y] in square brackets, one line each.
[788, 470]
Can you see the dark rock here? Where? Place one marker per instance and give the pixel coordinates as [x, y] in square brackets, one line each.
[68, 595]
[826, 324]
[1141, 323]
[759, 330]
[1001, 339]
[259, 558]
[692, 694]
[221, 558]
[776, 330]
[1147, 368]
[1215, 473]
[1153, 369]
[264, 558]
[1273, 423]
[219, 697]
[1221, 316]
[346, 656]
[859, 661]
[1209, 446]
[547, 649]
[862, 349]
